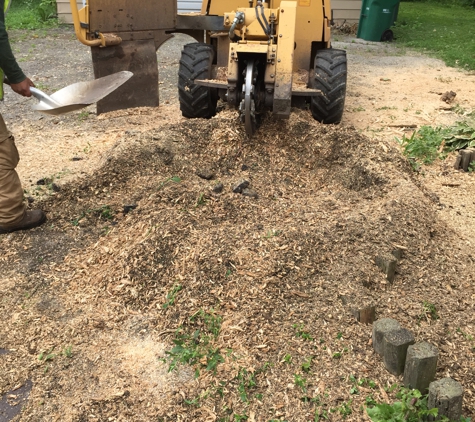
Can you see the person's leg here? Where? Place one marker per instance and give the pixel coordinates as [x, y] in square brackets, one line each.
[12, 208]
[13, 215]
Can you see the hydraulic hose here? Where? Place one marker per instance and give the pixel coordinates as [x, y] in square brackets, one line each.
[239, 18]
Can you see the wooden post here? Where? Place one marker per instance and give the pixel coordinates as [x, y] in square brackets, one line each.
[395, 344]
[365, 315]
[446, 395]
[380, 328]
[362, 309]
[421, 365]
[387, 264]
[466, 158]
[458, 161]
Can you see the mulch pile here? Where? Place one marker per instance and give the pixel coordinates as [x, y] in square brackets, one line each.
[259, 284]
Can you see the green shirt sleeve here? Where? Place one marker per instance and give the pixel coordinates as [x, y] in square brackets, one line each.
[7, 60]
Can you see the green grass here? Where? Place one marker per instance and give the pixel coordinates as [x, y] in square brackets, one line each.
[31, 14]
[444, 31]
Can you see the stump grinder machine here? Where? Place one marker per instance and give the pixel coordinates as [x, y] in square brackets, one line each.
[258, 56]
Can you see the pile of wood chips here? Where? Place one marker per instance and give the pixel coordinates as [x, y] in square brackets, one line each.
[145, 247]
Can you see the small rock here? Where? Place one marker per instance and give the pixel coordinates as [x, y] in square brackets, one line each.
[206, 174]
[242, 184]
[55, 187]
[30, 199]
[249, 192]
[218, 188]
[32, 348]
[76, 159]
[448, 96]
[128, 208]
[244, 167]
[44, 181]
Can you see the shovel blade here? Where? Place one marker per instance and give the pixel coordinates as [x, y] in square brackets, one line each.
[56, 111]
[138, 57]
[78, 95]
[90, 92]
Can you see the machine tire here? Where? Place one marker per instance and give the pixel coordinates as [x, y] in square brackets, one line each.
[387, 36]
[330, 78]
[196, 63]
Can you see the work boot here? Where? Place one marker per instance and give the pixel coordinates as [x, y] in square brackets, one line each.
[30, 220]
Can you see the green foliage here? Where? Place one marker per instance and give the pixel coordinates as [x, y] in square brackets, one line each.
[424, 145]
[246, 381]
[306, 365]
[301, 382]
[428, 144]
[46, 356]
[460, 136]
[411, 407]
[68, 351]
[47, 10]
[201, 200]
[104, 213]
[195, 347]
[32, 14]
[300, 332]
[174, 179]
[272, 233]
[429, 310]
[345, 409]
[445, 31]
[171, 296]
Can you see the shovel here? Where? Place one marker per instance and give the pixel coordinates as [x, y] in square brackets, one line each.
[78, 95]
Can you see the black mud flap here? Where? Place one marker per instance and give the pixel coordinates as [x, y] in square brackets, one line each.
[138, 57]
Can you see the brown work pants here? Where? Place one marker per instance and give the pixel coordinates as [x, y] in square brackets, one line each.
[12, 208]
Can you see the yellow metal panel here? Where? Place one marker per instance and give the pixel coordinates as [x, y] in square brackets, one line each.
[220, 7]
[311, 25]
[285, 57]
[251, 47]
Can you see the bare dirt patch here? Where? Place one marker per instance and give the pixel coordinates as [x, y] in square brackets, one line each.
[138, 246]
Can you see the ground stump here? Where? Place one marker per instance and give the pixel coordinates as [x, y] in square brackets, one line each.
[380, 328]
[395, 344]
[421, 365]
[446, 394]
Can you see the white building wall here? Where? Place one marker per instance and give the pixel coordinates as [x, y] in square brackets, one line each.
[189, 6]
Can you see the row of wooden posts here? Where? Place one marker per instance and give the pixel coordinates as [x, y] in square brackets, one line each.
[418, 362]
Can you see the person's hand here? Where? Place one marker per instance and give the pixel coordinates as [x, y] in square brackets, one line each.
[23, 88]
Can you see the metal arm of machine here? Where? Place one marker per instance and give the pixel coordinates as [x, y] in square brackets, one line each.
[81, 24]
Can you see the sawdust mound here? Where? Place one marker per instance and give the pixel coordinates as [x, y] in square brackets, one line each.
[328, 202]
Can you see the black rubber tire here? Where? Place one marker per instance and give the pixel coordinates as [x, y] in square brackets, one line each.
[196, 63]
[387, 36]
[330, 78]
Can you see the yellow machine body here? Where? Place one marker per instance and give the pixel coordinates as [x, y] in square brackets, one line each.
[261, 45]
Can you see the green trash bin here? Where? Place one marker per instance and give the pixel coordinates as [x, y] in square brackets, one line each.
[376, 19]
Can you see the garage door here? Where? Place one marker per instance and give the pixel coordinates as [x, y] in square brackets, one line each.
[189, 6]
